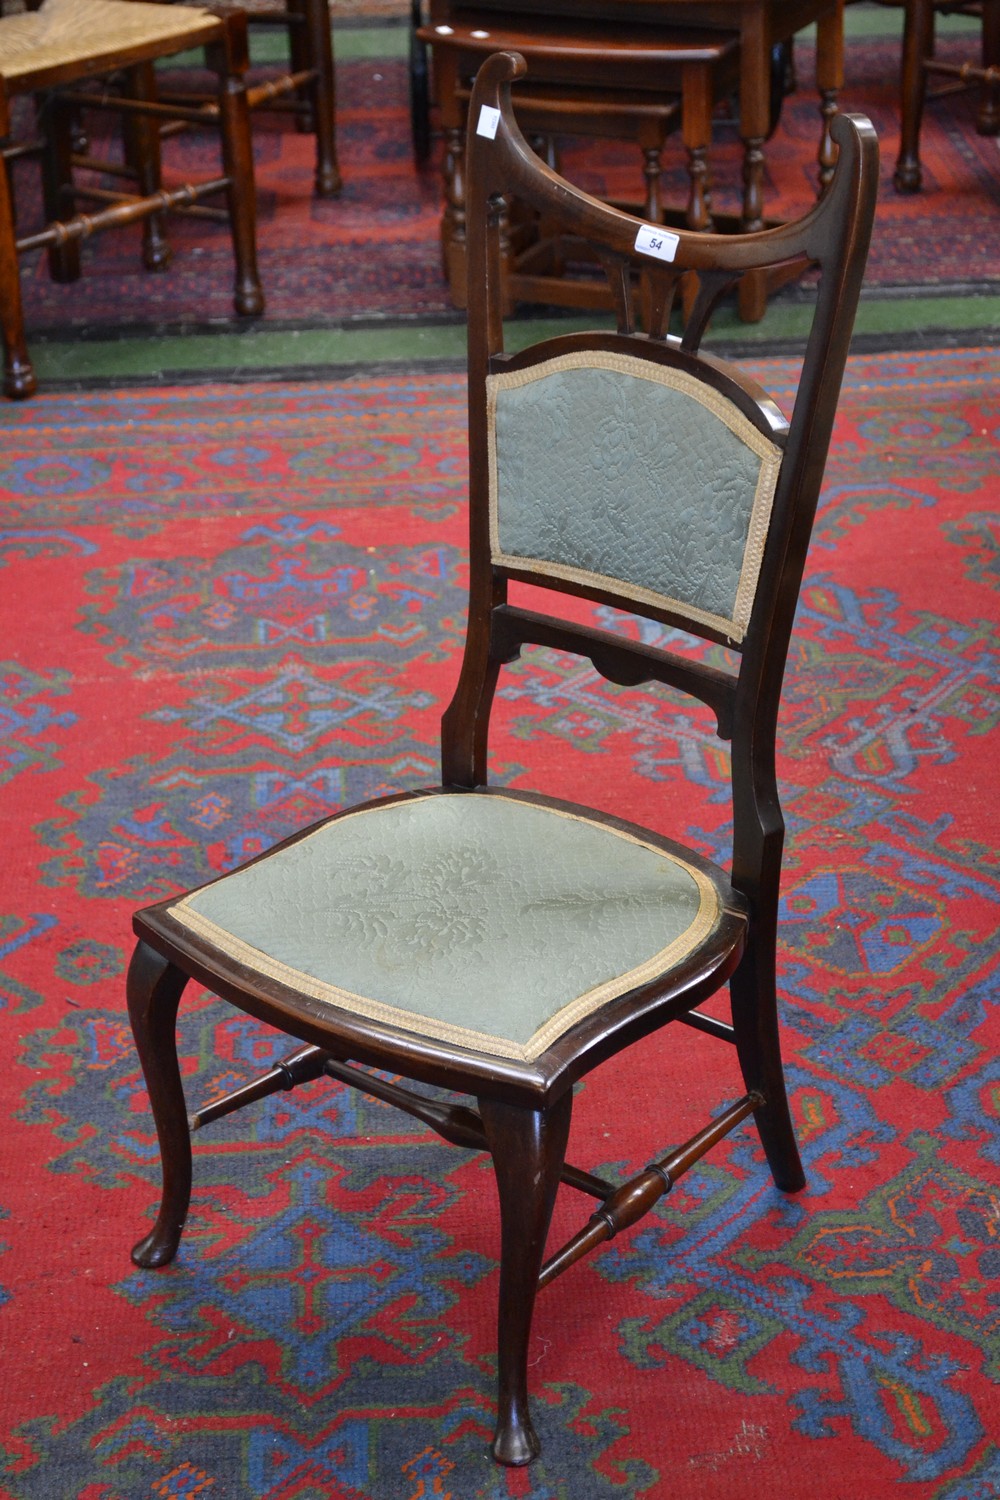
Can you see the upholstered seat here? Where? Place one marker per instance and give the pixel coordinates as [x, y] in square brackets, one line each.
[483, 919]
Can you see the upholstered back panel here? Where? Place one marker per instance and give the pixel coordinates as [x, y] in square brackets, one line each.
[617, 472]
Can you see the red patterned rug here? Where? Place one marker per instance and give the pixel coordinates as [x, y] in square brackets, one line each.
[231, 611]
[374, 252]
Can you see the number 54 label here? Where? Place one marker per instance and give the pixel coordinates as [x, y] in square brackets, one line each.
[652, 240]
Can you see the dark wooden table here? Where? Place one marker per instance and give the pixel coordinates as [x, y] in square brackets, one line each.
[759, 26]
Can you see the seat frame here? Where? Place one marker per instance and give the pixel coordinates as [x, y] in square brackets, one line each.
[524, 1107]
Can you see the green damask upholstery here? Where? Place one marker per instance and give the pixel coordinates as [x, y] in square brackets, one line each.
[482, 919]
[608, 467]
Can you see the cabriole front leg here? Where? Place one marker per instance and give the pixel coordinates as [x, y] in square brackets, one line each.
[528, 1148]
[154, 991]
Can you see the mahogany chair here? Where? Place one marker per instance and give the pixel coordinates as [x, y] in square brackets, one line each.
[493, 940]
[919, 61]
[53, 53]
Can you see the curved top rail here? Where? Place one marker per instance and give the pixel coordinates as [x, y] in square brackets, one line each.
[525, 175]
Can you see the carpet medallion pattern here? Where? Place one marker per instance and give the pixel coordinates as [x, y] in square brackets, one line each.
[216, 638]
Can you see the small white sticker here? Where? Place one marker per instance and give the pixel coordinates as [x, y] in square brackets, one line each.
[652, 240]
[445, 30]
[489, 119]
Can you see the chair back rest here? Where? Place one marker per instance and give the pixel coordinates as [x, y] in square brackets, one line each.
[632, 477]
[632, 467]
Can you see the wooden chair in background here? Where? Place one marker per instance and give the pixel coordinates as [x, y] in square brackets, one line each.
[919, 61]
[54, 53]
[307, 90]
[499, 942]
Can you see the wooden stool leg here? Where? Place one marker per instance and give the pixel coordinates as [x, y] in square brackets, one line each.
[753, 183]
[420, 87]
[301, 62]
[453, 217]
[696, 131]
[755, 115]
[154, 991]
[322, 100]
[696, 128]
[229, 60]
[528, 1148]
[56, 121]
[18, 376]
[652, 167]
[918, 44]
[988, 118]
[142, 149]
[829, 81]
[453, 175]
[751, 293]
[755, 121]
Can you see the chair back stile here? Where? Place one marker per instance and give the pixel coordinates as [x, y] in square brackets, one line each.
[834, 237]
[838, 244]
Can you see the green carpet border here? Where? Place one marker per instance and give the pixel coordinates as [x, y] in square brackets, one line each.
[861, 344]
